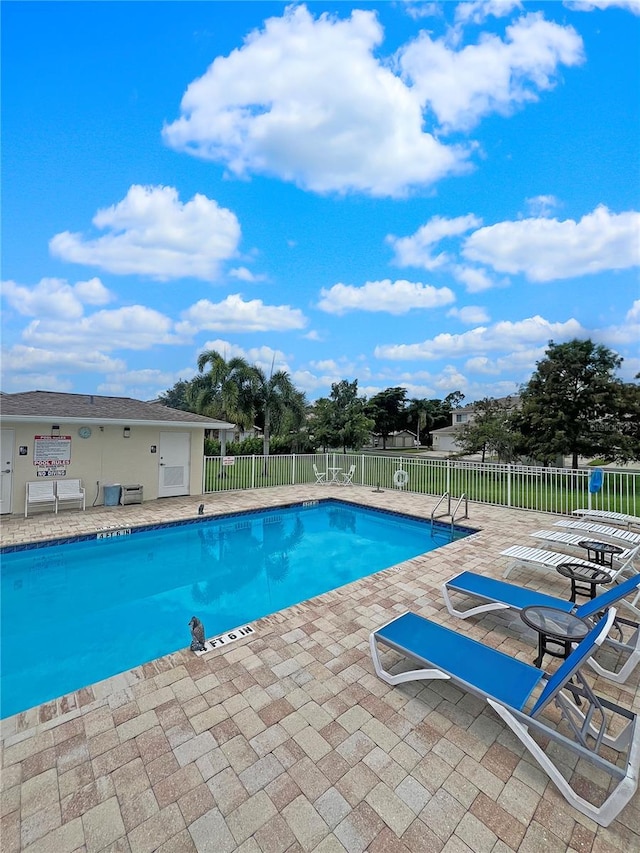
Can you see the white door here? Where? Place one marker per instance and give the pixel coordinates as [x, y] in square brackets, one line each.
[7, 440]
[175, 456]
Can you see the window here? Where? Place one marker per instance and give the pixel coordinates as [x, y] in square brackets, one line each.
[460, 419]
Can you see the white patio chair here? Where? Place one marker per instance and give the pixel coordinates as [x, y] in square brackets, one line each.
[40, 493]
[321, 476]
[346, 479]
[70, 491]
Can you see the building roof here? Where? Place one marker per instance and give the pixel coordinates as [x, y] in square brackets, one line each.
[448, 430]
[91, 408]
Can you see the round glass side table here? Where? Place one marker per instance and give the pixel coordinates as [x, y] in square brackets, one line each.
[555, 627]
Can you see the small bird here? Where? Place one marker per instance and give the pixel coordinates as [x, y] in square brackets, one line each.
[197, 634]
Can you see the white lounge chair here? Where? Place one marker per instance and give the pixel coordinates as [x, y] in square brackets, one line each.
[621, 518]
[600, 530]
[70, 492]
[549, 560]
[346, 479]
[321, 476]
[508, 686]
[572, 540]
[40, 493]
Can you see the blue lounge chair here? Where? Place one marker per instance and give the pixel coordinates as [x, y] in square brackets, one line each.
[508, 686]
[499, 595]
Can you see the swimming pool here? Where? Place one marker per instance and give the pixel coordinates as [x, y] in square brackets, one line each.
[74, 613]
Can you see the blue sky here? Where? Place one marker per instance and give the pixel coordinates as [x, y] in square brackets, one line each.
[414, 194]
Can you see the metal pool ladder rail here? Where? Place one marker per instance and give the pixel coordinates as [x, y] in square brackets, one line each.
[453, 515]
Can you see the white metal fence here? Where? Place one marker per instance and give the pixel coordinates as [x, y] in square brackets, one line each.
[558, 490]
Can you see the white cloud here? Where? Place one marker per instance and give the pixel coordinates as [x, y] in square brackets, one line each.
[470, 314]
[415, 251]
[547, 249]
[517, 360]
[263, 356]
[233, 314]
[391, 297]
[589, 5]
[25, 359]
[152, 233]
[55, 297]
[477, 11]
[474, 279]
[542, 205]
[37, 382]
[462, 86]
[244, 274]
[633, 314]
[134, 327]
[417, 10]
[307, 100]
[502, 335]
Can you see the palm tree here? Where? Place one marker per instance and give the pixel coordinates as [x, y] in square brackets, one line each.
[273, 397]
[420, 412]
[224, 391]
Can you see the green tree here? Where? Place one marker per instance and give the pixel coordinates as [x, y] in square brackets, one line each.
[420, 416]
[454, 400]
[222, 391]
[340, 419]
[387, 411]
[490, 431]
[574, 404]
[178, 396]
[271, 397]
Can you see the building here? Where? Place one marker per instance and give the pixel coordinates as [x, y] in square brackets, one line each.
[402, 438]
[101, 441]
[444, 439]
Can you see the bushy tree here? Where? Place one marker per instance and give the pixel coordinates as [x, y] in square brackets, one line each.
[573, 404]
[387, 411]
[340, 420]
[490, 431]
[178, 396]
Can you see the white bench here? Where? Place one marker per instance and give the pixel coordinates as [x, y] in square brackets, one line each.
[40, 493]
[70, 491]
[52, 494]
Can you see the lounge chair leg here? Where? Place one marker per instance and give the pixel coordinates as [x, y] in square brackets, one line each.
[604, 814]
[400, 678]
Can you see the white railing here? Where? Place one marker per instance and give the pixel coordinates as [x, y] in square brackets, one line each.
[558, 490]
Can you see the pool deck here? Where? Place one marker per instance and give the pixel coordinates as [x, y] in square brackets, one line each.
[286, 741]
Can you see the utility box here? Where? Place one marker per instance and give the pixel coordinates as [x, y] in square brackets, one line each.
[131, 494]
[111, 494]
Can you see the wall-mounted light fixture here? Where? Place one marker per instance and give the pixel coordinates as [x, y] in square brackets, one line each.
[126, 432]
[55, 429]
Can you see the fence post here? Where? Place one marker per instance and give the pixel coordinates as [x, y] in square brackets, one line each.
[509, 484]
[253, 472]
[448, 489]
[293, 469]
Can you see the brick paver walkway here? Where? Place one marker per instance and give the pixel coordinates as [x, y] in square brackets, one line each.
[286, 741]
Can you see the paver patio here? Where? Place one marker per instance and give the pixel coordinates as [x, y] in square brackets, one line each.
[286, 741]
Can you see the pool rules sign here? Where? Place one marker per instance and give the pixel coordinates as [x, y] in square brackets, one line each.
[51, 453]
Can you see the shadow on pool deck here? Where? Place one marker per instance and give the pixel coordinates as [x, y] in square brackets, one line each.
[286, 741]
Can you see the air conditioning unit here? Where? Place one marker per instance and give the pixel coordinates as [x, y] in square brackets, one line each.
[131, 494]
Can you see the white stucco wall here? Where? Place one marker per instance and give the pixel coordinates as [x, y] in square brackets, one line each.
[105, 457]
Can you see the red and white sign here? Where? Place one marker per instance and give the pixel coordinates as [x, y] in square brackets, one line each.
[228, 460]
[51, 450]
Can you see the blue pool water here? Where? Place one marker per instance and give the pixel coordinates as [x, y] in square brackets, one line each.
[75, 613]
